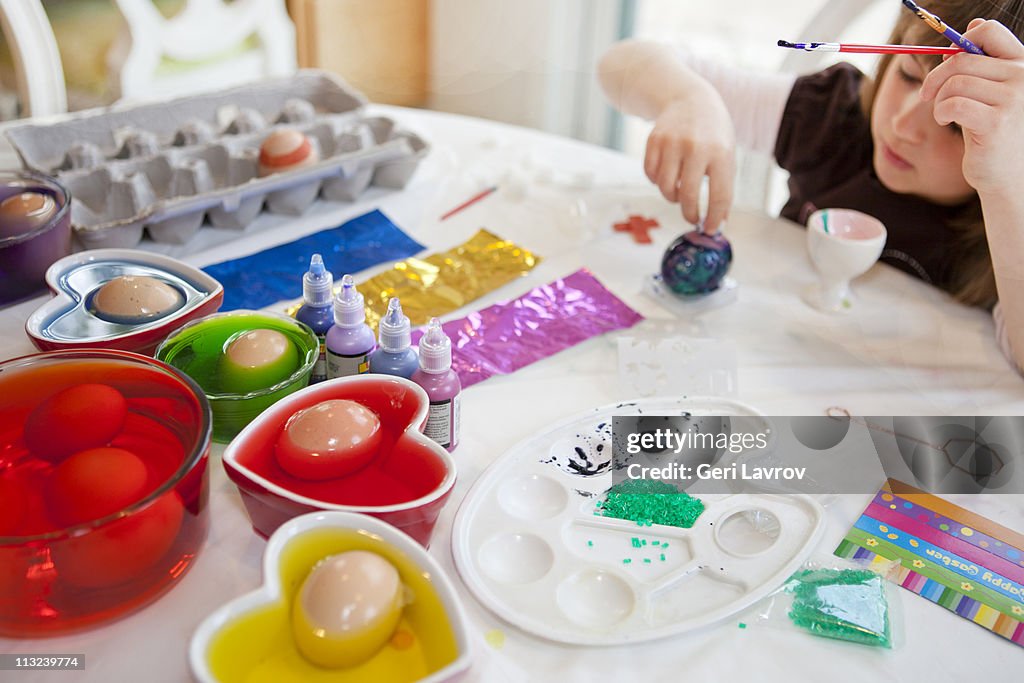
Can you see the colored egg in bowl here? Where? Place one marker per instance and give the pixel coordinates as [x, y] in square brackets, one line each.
[103, 489]
[345, 597]
[351, 444]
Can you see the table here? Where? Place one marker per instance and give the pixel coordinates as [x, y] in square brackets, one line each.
[905, 349]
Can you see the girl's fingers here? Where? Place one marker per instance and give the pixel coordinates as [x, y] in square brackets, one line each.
[652, 158]
[720, 186]
[995, 39]
[997, 70]
[690, 179]
[978, 89]
[668, 174]
[969, 114]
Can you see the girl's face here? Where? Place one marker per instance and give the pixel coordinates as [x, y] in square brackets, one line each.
[914, 154]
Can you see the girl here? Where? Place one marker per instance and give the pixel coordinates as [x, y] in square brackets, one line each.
[933, 148]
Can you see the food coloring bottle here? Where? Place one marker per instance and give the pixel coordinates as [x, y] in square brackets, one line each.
[394, 354]
[350, 340]
[442, 385]
[317, 310]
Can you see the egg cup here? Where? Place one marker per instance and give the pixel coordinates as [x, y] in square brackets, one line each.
[25, 255]
[843, 244]
[197, 349]
[406, 485]
[58, 578]
[251, 634]
[69, 321]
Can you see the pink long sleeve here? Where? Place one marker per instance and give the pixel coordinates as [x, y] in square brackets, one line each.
[755, 100]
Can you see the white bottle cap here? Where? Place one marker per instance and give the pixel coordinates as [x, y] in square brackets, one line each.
[395, 331]
[317, 283]
[349, 308]
[435, 349]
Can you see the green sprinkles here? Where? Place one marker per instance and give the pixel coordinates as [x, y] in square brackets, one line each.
[626, 561]
[663, 557]
[590, 544]
[635, 541]
[742, 625]
[647, 560]
[648, 502]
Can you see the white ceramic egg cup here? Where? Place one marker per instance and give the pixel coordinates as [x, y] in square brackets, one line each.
[839, 256]
[529, 547]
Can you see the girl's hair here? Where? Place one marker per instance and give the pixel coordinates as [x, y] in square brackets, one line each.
[972, 281]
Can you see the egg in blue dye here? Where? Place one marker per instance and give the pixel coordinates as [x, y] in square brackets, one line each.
[696, 263]
[135, 299]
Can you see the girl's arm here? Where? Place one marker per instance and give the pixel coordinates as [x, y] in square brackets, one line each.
[700, 110]
[984, 95]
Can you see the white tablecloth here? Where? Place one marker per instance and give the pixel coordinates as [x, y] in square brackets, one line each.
[904, 349]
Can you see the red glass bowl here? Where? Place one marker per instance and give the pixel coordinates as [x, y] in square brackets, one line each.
[406, 485]
[62, 579]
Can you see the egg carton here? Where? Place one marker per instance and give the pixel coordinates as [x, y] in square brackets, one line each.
[166, 168]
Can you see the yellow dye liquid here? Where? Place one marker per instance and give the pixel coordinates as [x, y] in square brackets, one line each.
[259, 647]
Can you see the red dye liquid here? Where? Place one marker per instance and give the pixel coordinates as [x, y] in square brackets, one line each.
[55, 579]
[401, 471]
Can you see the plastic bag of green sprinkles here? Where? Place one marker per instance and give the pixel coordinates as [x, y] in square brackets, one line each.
[845, 604]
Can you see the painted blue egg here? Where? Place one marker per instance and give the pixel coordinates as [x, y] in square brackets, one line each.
[696, 263]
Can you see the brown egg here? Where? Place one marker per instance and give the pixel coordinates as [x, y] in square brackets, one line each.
[24, 212]
[134, 299]
[284, 150]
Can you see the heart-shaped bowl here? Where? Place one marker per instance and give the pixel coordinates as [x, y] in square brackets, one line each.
[70, 321]
[250, 638]
[406, 484]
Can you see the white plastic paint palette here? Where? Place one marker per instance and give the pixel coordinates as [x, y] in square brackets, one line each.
[529, 546]
[69, 321]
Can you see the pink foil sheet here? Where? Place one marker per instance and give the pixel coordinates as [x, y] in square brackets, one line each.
[505, 337]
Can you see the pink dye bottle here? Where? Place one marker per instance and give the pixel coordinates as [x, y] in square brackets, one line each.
[441, 384]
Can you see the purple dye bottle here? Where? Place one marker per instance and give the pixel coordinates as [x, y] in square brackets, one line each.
[442, 385]
[317, 310]
[394, 354]
[350, 340]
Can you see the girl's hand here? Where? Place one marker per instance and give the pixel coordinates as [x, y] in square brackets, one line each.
[984, 95]
[693, 138]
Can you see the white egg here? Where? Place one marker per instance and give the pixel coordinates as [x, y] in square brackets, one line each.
[134, 299]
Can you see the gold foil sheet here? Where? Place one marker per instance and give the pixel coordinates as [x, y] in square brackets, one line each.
[443, 282]
[446, 281]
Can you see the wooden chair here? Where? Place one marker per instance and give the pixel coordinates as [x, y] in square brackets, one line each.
[209, 45]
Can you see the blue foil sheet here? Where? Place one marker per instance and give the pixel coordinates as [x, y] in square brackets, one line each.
[275, 274]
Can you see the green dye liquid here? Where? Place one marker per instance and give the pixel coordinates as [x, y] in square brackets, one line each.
[198, 349]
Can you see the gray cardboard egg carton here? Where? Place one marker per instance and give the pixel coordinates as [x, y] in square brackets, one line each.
[167, 167]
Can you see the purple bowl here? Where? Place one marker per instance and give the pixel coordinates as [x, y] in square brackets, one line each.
[24, 257]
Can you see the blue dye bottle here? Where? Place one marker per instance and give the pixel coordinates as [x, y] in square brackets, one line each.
[317, 310]
[394, 354]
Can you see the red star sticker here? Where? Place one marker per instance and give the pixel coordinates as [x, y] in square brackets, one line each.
[639, 226]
